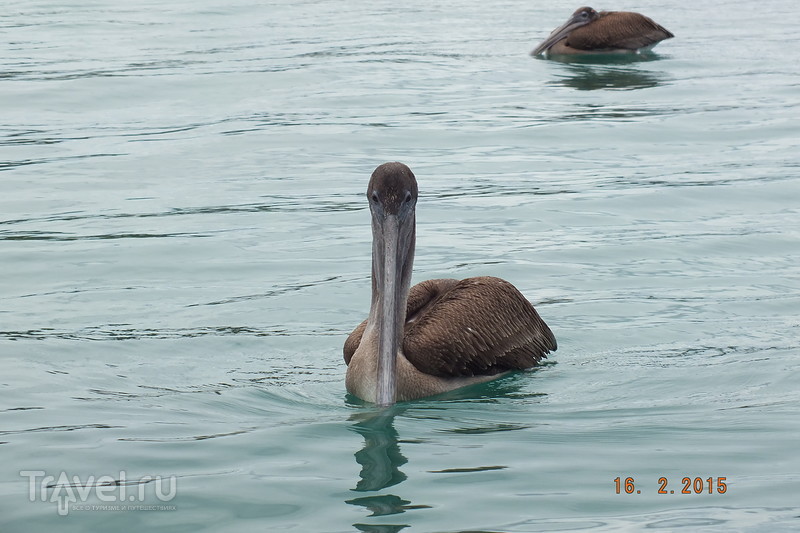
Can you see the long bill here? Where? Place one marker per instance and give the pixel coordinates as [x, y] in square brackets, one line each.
[391, 295]
[556, 35]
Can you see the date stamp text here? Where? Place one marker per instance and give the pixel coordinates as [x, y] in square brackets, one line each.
[688, 485]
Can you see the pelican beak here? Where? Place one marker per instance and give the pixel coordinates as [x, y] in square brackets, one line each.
[558, 34]
[390, 323]
[394, 255]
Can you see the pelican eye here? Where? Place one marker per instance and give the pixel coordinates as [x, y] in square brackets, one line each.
[374, 197]
[408, 197]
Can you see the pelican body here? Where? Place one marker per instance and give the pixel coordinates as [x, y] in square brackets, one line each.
[590, 32]
[438, 335]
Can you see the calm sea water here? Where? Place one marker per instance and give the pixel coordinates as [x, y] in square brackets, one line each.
[185, 246]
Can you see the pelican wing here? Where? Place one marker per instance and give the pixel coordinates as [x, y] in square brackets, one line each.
[352, 342]
[476, 326]
[618, 30]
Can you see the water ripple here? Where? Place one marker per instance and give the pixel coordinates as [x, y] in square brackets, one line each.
[64, 237]
[121, 333]
[60, 428]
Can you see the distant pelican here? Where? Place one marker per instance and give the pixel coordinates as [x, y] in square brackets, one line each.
[590, 32]
[440, 334]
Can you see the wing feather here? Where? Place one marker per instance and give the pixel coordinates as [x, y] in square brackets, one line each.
[477, 326]
[352, 342]
[618, 30]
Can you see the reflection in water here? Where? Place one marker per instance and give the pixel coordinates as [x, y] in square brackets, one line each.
[380, 458]
[592, 78]
[380, 461]
[615, 72]
[385, 504]
[379, 528]
[604, 59]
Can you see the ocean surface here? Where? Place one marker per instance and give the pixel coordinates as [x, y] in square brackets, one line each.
[185, 246]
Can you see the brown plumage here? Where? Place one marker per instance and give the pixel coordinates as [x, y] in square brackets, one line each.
[450, 333]
[508, 333]
[588, 31]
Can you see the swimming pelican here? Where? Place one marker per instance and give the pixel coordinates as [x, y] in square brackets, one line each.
[590, 32]
[440, 334]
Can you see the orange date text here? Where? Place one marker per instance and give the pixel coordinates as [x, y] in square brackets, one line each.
[687, 485]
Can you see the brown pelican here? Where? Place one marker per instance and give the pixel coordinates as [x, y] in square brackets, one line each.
[590, 32]
[440, 334]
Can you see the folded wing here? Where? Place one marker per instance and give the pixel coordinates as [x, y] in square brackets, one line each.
[476, 326]
[618, 30]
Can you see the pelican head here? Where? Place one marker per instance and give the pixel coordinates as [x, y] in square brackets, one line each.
[581, 17]
[392, 195]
